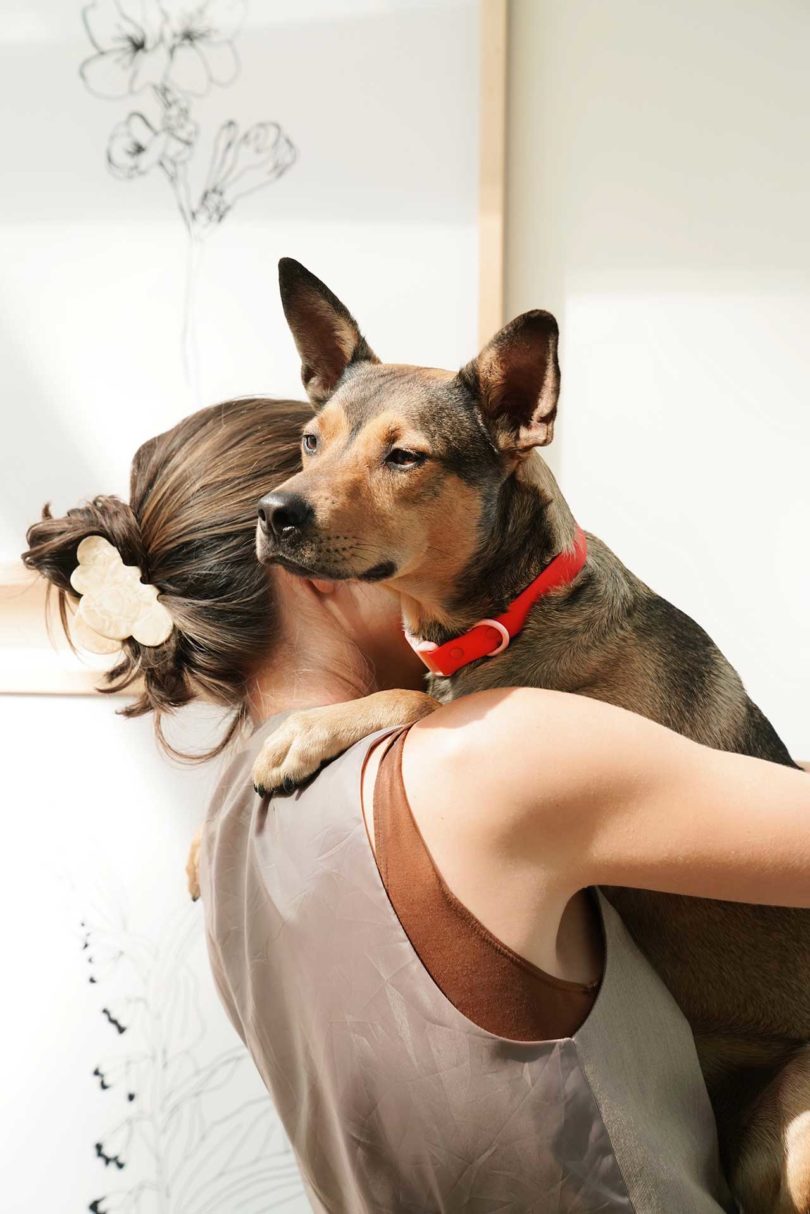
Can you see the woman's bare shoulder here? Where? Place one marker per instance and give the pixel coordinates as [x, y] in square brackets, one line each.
[486, 760]
[598, 795]
[509, 737]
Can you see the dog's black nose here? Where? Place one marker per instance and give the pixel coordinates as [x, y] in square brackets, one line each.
[283, 514]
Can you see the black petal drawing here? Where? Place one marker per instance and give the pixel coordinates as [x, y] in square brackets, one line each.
[136, 1200]
[117, 1025]
[102, 1081]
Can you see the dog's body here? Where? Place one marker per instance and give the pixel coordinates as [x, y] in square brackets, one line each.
[431, 483]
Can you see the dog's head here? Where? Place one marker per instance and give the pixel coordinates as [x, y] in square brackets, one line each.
[402, 465]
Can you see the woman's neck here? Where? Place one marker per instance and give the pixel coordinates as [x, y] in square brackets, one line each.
[328, 651]
[296, 676]
[275, 692]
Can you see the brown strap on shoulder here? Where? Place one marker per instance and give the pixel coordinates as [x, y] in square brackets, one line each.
[483, 978]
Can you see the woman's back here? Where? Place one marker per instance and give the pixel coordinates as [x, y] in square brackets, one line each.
[395, 1101]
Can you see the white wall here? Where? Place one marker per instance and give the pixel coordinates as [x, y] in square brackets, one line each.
[659, 193]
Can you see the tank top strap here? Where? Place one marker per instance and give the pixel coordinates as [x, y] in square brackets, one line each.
[486, 981]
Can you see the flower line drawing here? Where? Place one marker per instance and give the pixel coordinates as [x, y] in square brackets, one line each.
[176, 50]
[167, 53]
[239, 164]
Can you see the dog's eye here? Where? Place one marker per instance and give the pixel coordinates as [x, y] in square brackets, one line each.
[402, 458]
[310, 443]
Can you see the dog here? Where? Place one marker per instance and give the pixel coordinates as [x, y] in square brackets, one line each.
[431, 481]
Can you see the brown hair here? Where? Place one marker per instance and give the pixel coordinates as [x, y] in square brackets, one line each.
[190, 528]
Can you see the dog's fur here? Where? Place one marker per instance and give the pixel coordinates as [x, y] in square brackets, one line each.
[431, 481]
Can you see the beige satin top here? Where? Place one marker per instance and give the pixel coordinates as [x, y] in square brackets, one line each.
[395, 1101]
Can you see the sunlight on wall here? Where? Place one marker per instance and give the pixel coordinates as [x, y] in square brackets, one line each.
[658, 205]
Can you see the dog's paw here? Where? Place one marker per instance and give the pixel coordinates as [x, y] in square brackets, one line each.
[296, 751]
[193, 867]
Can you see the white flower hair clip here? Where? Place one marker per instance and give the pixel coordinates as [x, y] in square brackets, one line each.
[115, 603]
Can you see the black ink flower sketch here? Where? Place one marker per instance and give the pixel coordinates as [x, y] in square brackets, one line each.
[166, 53]
[176, 50]
[179, 1122]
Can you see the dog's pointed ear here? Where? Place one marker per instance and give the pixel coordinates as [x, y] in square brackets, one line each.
[324, 330]
[516, 382]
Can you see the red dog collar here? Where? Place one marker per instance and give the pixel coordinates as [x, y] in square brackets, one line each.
[488, 638]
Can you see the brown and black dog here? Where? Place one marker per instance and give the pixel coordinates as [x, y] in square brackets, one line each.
[430, 481]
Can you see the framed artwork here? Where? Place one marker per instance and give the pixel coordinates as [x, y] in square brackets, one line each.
[162, 157]
[189, 147]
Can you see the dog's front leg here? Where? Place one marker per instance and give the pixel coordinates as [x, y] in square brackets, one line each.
[193, 867]
[306, 740]
[772, 1173]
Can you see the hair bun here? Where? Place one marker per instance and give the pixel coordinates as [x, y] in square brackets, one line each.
[190, 531]
[53, 545]
[53, 542]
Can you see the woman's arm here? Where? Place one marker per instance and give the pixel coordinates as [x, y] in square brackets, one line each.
[596, 795]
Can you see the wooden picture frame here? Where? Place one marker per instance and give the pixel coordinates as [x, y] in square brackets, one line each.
[34, 658]
[492, 167]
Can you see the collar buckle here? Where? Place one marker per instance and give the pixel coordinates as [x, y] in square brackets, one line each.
[504, 633]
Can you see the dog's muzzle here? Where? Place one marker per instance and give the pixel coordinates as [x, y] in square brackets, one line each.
[287, 536]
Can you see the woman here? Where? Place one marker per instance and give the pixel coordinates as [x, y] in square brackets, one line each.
[462, 1024]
